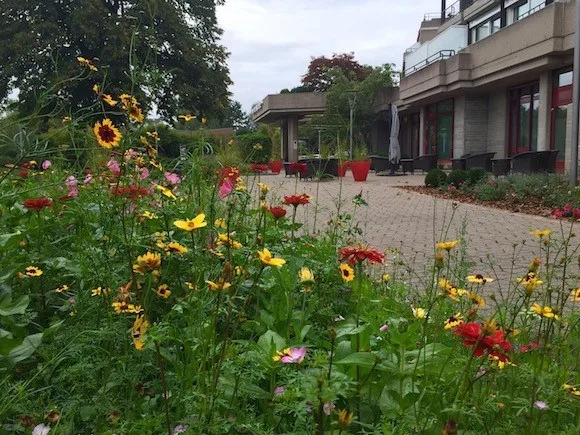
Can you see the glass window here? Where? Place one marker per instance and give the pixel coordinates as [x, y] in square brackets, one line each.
[482, 31]
[521, 10]
[524, 115]
[444, 135]
[560, 115]
[445, 106]
[535, 110]
[495, 25]
[523, 122]
[565, 79]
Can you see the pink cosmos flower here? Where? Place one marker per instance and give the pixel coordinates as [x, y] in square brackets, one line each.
[46, 164]
[172, 178]
[294, 356]
[279, 390]
[384, 328]
[88, 179]
[328, 407]
[540, 404]
[143, 173]
[71, 183]
[113, 166]
[226, 188]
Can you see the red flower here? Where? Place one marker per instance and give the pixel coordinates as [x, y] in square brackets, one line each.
[527, 347]
[470, 332]
[360, 253]
[23, 173]
[576, 213]
[37, 203]
[255, 167]
[473, 335]
[278, 212]
[296, 200]
[228, 173]
[297, 167]
[129, 192]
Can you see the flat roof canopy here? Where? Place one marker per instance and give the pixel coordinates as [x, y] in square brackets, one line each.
[275, 107]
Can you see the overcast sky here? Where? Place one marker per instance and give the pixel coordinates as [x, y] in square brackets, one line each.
[271, 41]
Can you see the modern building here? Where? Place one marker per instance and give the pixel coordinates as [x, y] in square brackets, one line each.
[487, 76]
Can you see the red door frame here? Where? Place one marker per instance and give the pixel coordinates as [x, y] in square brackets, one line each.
[434, 118]
[514, 149]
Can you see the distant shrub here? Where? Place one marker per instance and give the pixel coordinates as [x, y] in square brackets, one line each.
[457, 177]
[255, 147]
[490, 191]
[476, 175]
[435, 178]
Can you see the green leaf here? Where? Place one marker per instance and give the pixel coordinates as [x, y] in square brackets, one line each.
[26, 349]
[270, 338]
[363, 359]
[16, 307]
[349, 328]
[4, 238]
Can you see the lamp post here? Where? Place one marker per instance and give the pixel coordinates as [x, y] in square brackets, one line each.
[351, 102]
[575, 102]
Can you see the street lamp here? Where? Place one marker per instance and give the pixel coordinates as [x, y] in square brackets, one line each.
[351, 102]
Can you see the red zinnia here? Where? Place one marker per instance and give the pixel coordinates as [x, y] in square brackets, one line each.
[228, 173]
[37, 203]
[473, 335]
[360, 253]
[129, 192]
[296, 200]
[278, 212]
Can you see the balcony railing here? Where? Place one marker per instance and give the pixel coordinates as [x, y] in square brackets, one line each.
[449, 12]
[443, 54]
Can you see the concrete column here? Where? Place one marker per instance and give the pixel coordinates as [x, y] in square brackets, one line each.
[459, 145]
[497, 121]
[568, 154]
[544, 111]
[292, 139]
[284, 140]
[422, 114]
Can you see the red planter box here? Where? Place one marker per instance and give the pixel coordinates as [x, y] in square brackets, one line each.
[342, 167]
[276, 166]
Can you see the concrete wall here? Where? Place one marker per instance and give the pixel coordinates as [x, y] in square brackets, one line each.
[497, 121]
[470, 125]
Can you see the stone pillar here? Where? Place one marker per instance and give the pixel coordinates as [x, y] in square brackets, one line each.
[284, 140]
[568, 154]
[497, 122]
[545, 111]
[422, 114]
[292, 139]
[459, 109]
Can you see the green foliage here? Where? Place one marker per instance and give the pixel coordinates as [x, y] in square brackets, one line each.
[199, 141]
[360, 153]
[476, 175]
[553, 189]
[435, 178]
[457, 177]
[490, 191]
[255, 147]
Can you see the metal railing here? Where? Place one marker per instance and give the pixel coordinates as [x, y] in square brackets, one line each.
[533, 10]
[449, 12]
[443, 54]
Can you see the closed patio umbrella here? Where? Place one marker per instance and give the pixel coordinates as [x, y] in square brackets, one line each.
[394, 146]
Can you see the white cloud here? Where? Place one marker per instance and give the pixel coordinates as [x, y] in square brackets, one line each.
[271, 41]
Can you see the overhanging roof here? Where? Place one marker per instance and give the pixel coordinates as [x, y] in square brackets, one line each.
[278, 106]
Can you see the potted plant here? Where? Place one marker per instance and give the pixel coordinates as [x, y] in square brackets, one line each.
[276, 163]
[360, 165]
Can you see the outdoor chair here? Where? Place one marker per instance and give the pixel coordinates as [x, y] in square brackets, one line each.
[289, 171]
[535, 161]
[460, 163]
[311, 169]
[425, 163]
[380, 163]
[547, 161]
[482, 160]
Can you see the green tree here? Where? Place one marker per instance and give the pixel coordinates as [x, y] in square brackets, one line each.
[320, 78]
[164, 52]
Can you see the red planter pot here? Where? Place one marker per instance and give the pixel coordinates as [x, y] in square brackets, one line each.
[276, 166]
[342, 167]
[360, 170]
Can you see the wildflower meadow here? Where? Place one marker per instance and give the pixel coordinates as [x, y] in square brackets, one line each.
[146, 295]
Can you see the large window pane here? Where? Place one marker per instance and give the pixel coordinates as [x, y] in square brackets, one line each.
[482, 31]
[495, 25]
[445, 106]
[565, 79]
[536, 106]
[560, 116]
[524, 115]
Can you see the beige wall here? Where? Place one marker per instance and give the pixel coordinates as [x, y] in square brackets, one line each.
[497, 120]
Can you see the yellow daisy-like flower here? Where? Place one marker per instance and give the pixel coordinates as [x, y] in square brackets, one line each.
[476, 299]
[107, 134]
[219, 285]
[136, 114]
[61, 288]
[149, 215]
[165, 191]
[187, 117]
[448, 246]
[66, 119]
[451, 291]
[109, 100]
[575, 296]
[124, 307]
[174, 247]
[541, 233]
[191, 224]
[386, 278]
[478, 279]
[268, 260]
[344, 419]
[530, 282]
[154, 135]
[149, 261]
[419, 313]
[220, 223]
[33, 271]
[263, 188]
[571, 389]
[96, 89]
[306, 276]
[163, 291]
[138, 332]
[547, 312]
[189, 285]
[227, 240]
[99, 291]
[346, 272]
[454, 321]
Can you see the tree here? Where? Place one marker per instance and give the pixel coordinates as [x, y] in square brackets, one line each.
[321, 75]
[164, 52]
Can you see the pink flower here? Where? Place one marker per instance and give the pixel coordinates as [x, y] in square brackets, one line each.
[279, 390]
[384, 328]
[576, 213]
[328, 407]
[72, 300]
[113, 166]
[558, 214]
[226, 188]
[41, 429]
[567, 209]
[143, 173]
[46, 164]
[71, 183]
[172, 178]
[293, 355]
[541, 404]
[88, 179]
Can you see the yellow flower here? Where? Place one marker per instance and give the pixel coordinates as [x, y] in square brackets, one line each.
[386, 278]
[138, 332]
[447, 245]
[189, 285]
[187, 117]
[149, 215]
[175, 247]
[220, 223]
[203, 120]
[109, 100]
[99, 291]
[149, 261]
[124, 307]
[66, 119]
[263, 188]
[547, 312]
[347, 272]
[219, 285]
[454, 321]
[191, 224]
[61, 288]
[530, 282]
[107, 134]
[154, 135]
[163, 291]
[96, 89]
[541, 233]
[451, 291]
[258, 146]
[571, 389]
[478, 279]
[476, 299]
[344, 419]
[268, 260]
[306, 276]
[165, 191]
[33, 271]
[227, 239]
[419, 313]
[575, 296]
[88, 63]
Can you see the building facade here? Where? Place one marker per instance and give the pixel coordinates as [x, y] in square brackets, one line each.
[488, 76]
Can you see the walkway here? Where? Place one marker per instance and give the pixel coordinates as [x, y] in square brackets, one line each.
[412, 223]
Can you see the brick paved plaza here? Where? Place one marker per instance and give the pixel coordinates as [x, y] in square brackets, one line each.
[413, 223]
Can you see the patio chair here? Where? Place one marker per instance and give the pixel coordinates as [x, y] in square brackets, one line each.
[482, 160]
[289, 171]
[535, 161]
[547, 161]
[460, 163]
[380, 163]
[311, 169]
[425, 163]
